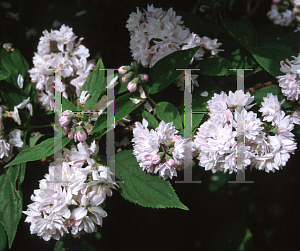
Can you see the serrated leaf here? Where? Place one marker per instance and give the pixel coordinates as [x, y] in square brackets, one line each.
[143, 188]
[152, 122]
[168, 113]
[164, 72]
[123, 106]
[260, 94]
[11, 180]
[42, 150]
[269, 57]
[94, 85]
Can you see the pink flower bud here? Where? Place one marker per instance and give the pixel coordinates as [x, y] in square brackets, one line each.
[131, 86]
[81, 136]
[170, 162]
[67, 128]
[155, 159]
[176, 138]
[64, 121]
[122, 70]
[65, 132]
[124, 79]
[89, 129]
[145, 77]
[70, 135]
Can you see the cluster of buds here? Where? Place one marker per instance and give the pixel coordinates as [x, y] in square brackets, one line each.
[76, 126]
[131, 76]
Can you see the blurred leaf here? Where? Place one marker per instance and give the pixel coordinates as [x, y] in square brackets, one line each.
[233, 235]
[164, 72]
[168, 113]
[3, 239]
[243, 31]
[11, 196]
[141, 187]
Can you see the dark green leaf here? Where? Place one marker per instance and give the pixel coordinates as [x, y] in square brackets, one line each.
[269, 57]
[152, 122]
[11, 180]
[42, 150]
[215, 66]
[67, 105]
[276, 90]
[3, 238]
[168, 113]
[143, 188]
[164, 72]
[95, 85]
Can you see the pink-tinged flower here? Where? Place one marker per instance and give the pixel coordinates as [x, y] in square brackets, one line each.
[270, 107]
[145, 77]
[170, 162]
[125, 79]
[122, 70]
[80, 136]
[64, 121]
[70, 135]
[65, 132]
[295, 117]
[131, 86]
[89, 129]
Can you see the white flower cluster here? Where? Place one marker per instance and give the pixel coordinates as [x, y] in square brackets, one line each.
[157, 33]
[260, 147]
[70, 197]
[284, 13]
[161, 150]
[58, 50]
[290, 82]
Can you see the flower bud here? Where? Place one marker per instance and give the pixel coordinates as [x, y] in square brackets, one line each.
[70, 135]
[89, 129]
[81, 136]
[131, 86]
[145, 77]
[64, 121]
[123, 69]
[65, 132]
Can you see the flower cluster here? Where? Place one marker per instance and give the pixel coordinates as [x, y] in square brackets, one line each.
[231, 142]
[289, 82]
[161, 150]
[285, 13]
[157, 33]
[59, 50]
[78, 125]
[71, 196]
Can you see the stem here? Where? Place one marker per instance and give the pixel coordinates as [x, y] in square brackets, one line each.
[148, 96]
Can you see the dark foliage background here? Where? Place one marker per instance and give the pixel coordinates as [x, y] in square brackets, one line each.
[218, 212]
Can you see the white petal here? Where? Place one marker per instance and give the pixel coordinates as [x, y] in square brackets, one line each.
[20, 81]
[113, 83]
[148, 107]
[135, 100]
[142, 92]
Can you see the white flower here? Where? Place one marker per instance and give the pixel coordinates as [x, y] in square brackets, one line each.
[20, 81]
[4, 148]
[284, 125]
[240, 99]
[270, 107]
[14, 115]
[295, 117]
[15, 138]
[84, 96]
[135, 100]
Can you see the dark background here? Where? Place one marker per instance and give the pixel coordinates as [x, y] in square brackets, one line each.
[219, 213]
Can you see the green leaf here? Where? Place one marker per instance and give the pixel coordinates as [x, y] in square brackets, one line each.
[123, 106]
[2, 77]
[215, 66]
[168, 113]
[164, 72]
[34, 139]
[94, 85]
[243, 31]
[3, 239]
[152, 122]
[143, 188]
[67, 105]
[42, 150]
[269, 57]
[276, 90]
[233, 235]
[19, 62]
[11, 196]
